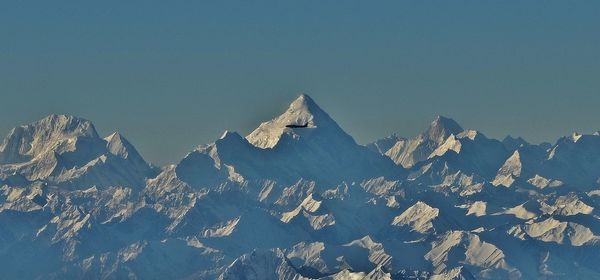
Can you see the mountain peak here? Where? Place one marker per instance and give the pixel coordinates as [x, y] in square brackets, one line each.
[304, 101]
[119, 146]
[28, 141]
[229, 134]
[441, 128]
[305, 111]
[575, 136]
[66, 124]
[303, 115]
[115, 136]
[512, 143]
[471, 134]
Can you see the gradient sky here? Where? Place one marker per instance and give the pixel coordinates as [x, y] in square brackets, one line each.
[174, 74]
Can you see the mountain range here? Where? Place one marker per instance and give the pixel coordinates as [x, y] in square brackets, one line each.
[298, 198]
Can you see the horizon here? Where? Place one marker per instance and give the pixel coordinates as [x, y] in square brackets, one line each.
[104, 132]
[171, 76]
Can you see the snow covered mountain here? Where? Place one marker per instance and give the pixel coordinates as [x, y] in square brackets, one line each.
[298, 198]
[407, 152]
[321, 152]
[67, 151]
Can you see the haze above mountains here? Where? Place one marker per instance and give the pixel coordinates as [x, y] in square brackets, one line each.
[299, 203]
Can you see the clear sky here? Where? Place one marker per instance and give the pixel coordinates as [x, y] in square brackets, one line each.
[171, 75]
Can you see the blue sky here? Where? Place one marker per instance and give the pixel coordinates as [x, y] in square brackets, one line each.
[174, 74]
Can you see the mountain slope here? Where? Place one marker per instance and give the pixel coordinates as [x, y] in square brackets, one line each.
[298, 198]
[321, 152]
[67, 151]
[408, 152]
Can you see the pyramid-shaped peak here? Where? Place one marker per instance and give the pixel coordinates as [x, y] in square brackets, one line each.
[229, 136]
[115, 137]
[303, 114]
[303, 97]
[441, 128]
[118, 145]
[447, 123]
[305, 106]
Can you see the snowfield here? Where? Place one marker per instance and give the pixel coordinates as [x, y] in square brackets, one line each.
[298, 198]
